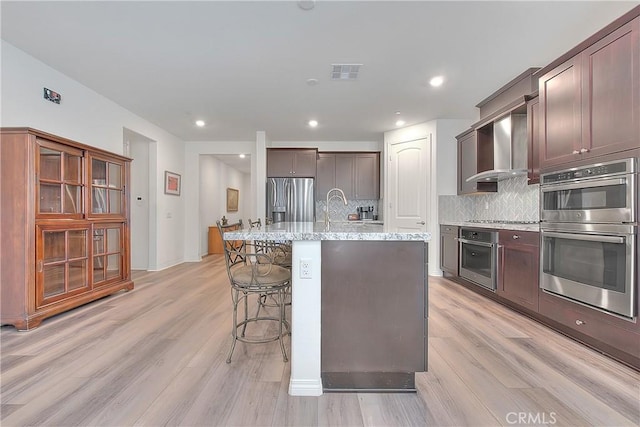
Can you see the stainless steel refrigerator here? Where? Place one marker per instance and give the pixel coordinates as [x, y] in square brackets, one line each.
[291, 199]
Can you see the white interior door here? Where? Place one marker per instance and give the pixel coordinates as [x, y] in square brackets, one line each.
[407, 184]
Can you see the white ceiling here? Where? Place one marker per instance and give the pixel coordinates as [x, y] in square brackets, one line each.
[242, 66]
[234, 161]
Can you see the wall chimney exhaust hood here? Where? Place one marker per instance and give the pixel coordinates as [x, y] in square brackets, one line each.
[509, 149]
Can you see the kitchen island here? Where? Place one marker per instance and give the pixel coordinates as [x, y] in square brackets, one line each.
[359, 319]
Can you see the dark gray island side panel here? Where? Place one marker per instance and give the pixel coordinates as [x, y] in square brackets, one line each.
[374, 314]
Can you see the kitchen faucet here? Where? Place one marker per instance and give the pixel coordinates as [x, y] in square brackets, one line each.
[339, 195]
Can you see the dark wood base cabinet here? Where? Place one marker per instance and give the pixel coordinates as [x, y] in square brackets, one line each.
[611, 335]
[449, 249]
[65, 238]
[518, 288]
[518, 267]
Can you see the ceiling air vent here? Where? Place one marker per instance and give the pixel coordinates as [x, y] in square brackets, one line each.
[345, 71]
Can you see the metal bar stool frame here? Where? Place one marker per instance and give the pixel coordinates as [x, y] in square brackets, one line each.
[254, 273]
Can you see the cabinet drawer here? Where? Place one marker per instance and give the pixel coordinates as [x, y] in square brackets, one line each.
[508, 237]
[449, 229]
[618, 333]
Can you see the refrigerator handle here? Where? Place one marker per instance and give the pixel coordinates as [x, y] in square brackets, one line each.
[288, 193]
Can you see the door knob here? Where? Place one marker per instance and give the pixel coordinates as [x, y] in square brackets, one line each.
[421, 222]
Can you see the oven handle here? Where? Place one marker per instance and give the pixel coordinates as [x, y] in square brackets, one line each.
[473, 242]
[585, 184]
[587, 237]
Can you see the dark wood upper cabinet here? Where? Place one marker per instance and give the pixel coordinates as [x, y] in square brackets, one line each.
[611, 92]
[345, 174]
[355, 173]
[471, 157]
[560, 114]
[533, 131]
[590, 104]
[291, 163]
[467, 162]
[367, 176]
[326, 174]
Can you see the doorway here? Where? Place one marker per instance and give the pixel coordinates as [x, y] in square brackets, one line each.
[141, 198]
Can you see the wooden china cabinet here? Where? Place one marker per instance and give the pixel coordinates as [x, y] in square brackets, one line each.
[65, 225]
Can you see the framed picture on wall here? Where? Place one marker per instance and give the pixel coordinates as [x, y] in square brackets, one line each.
[232, 200]
[172, 183]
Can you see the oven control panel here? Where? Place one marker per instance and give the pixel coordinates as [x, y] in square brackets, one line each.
[597, 170]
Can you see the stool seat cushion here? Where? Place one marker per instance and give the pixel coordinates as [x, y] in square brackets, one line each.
[256, 275]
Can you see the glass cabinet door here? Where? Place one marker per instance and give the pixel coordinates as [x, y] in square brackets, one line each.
[107, 253]
[59, 180]
[107, 187]
[62, 264]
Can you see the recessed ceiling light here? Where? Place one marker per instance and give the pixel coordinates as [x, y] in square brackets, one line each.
[312, 82]
[200, 123]
[242, 156]
[400, 122]
[306, 4]
[313, 123]
[436, 81]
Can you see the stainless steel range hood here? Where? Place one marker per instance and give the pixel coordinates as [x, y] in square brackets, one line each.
[509, 149]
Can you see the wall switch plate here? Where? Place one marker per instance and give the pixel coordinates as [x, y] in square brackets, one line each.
[305, 268]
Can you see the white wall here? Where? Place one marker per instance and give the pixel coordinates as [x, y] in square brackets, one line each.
[215, 178]
[139, 198]
[193, 229]
[88, 117]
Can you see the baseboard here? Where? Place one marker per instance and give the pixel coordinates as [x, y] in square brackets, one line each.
[305, 387]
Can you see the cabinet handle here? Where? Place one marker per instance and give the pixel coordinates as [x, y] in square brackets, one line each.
[584, 150]
[40, 264]
[580, 322]
[515, 237]
[421, 222]
[576, 152]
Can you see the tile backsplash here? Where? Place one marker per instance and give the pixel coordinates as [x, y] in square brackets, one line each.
[339, 211]
[515, 200]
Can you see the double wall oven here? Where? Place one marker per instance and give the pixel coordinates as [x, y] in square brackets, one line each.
[589, 233]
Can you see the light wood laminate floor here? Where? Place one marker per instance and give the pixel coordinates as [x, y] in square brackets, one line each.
[156, 356]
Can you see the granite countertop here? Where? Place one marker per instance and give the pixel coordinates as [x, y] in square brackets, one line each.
[495, 225]
[317, 231]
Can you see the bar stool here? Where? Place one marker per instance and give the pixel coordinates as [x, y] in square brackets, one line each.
[254, 273]
[280, 252]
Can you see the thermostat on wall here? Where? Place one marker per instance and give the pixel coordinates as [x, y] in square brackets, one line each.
[52, 96]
